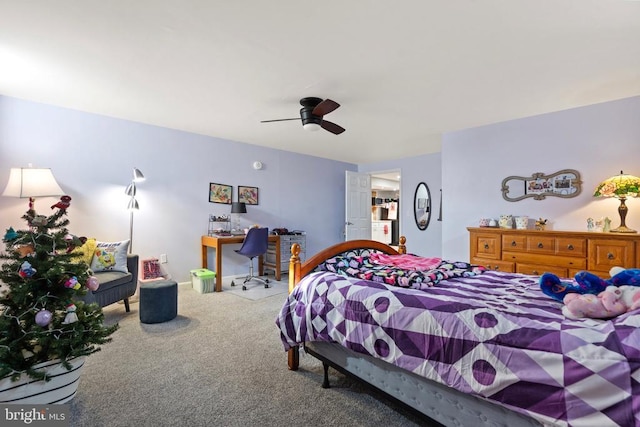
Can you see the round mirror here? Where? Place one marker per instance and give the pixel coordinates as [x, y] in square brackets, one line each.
[422, 206]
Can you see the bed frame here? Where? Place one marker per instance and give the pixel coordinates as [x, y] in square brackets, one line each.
[426, 398]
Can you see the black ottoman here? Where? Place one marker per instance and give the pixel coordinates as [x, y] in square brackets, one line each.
[158, 301]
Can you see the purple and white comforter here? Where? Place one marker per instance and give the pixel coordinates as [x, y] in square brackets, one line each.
[495, 335]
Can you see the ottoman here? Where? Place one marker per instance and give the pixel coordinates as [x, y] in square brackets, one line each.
[158, 301]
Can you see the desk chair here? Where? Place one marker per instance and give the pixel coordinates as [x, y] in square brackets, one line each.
[254, 245]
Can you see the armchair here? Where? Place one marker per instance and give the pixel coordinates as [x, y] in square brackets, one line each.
[115, 286]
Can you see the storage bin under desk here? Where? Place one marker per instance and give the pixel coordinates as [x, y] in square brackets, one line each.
[286, 241]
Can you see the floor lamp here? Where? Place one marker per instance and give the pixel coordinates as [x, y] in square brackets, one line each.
[133, 203]
[31, 183]
[131, 207]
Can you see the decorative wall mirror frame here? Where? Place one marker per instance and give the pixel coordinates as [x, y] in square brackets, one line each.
[565, 183]
[422, 206]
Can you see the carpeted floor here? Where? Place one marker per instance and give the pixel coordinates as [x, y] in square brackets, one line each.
[219, 363]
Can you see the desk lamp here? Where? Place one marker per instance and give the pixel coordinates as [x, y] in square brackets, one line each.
[31, 183]
[621, 186]
[237, 208]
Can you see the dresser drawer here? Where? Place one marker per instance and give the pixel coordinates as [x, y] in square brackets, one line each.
[487, 247]
[607, 253]
[541, 244]
[494, 264]
[546, 260]
[514, 243]
[571, 246]
[538, 270]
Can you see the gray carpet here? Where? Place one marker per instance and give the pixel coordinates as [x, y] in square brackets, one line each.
[219, 363]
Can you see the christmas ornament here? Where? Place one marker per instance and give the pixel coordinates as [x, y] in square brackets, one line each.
[73, 241]
[43, 317]
[63, 204]
[25, 250]
[39, 220]
[71, 316]
[92, 283]
[26, 270]
[72, 283]
[10, 234]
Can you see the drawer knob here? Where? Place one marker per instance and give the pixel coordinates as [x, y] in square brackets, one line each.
[497, 268]
[540, 245]
[570, 247]
[535, 272]
[486, 246]
[610, 255]
[513, 243]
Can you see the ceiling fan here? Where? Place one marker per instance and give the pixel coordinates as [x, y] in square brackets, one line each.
[312, 114]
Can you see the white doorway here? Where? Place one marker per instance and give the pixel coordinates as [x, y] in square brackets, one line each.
[385, 209]
[372, 206]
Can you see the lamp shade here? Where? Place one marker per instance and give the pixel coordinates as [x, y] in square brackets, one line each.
[32, 182]
[131, 189]
[137, 175]
[619, 186]
[238, 208]
[133, 205]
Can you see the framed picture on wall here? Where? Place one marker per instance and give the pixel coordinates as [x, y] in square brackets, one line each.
[220, 193]
[248, 195]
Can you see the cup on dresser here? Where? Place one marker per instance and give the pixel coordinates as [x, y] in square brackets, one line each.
[506, 221]
[522, 222]
[484, 222]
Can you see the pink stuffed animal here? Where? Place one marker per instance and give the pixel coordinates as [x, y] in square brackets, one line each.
[611, 302]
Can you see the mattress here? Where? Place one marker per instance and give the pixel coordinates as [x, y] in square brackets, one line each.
[493, 335]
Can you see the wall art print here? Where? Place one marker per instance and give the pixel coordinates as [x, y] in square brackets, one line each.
[220, 193]
[248, 195]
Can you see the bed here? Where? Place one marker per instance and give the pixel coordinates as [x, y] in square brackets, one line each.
[477, 347]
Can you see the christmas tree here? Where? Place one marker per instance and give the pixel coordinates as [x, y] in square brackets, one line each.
[42, 316]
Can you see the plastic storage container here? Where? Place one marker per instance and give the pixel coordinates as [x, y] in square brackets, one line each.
[203, 280]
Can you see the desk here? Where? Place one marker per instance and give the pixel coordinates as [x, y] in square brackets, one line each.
[216, 243]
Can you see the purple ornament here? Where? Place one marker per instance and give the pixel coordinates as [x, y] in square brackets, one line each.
[43, 317]
[92, 283]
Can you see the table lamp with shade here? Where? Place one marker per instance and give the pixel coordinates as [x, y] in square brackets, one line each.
[623, 187]
[237, 208]
[31, 183]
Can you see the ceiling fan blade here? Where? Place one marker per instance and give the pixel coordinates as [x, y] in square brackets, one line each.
[325, 107]
[278, 120]
[332, 127]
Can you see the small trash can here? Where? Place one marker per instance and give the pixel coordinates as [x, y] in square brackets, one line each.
[203, 280]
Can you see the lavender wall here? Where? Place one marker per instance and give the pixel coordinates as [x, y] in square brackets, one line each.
[92, 158]
[598, 141]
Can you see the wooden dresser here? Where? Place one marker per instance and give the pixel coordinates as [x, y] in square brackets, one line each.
[563, 253]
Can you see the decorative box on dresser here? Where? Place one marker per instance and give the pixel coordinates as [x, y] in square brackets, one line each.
[286, 240]
[563, 253]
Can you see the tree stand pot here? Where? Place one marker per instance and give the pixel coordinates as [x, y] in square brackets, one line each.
[61, 388]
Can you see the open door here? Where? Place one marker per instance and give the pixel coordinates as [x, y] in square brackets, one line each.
[358, 206]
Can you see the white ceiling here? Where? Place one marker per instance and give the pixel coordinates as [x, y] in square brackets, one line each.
[403, 71]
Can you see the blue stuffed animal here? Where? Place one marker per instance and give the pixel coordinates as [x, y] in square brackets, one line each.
[587, 283]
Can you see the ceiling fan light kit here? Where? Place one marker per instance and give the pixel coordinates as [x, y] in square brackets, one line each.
[312, 115]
